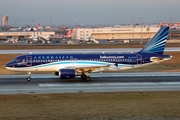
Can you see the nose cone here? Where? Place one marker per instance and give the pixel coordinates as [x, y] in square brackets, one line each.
[9, 65]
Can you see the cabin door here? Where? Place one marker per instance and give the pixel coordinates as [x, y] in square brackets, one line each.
[139, 59]
[29, 60]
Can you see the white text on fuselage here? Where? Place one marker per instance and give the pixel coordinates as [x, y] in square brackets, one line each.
[112, 57]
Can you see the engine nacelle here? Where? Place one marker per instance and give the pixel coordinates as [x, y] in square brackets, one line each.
[66, 73]
[56, 73]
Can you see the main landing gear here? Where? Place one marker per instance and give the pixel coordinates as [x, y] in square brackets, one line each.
[85, 77]
[29, 77]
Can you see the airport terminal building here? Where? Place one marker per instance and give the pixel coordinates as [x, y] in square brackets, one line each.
[116, 33]
[19, 35]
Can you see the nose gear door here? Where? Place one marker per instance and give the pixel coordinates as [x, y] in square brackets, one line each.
[28, 60]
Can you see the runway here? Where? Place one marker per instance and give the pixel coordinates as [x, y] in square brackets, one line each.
[170, 49]
[105, 82]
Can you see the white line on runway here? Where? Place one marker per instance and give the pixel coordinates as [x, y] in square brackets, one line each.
[109, 84]
[93, 88]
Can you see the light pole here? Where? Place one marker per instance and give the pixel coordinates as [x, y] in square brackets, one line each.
[15, 23]
[32, 22]
[50, 22]
[141, 30]
[170, 29]
[133, 29]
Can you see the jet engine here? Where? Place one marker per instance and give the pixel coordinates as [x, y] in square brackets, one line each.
[66, 73]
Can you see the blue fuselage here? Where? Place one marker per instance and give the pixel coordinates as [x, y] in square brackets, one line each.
[121, 58]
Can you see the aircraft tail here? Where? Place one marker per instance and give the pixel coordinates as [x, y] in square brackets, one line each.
[157, 43]
[38, 26]
[69, 33]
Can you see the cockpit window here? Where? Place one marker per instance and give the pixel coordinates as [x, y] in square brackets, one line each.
[18, 60]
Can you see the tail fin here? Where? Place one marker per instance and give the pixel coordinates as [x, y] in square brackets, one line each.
[69, 33]
[157, 43]
[38, 26]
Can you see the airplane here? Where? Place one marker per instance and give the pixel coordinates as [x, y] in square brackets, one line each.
[68, 66]
[34, 38]
[46, 37]
[15, 29]
[32, 28]
[41, 38]
[88, 39]
[11, 40]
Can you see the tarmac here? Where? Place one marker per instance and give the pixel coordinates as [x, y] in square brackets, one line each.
[116, 50]
[101, 82]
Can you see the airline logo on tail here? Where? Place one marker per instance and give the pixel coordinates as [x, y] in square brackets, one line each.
[69, 33]
[38, 26]
[157, 43]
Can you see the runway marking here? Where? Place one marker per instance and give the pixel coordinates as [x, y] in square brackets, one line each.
[109, 84]
[136, 74]
[93, 88]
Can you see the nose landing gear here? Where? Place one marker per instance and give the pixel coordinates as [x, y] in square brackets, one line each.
[29, 77]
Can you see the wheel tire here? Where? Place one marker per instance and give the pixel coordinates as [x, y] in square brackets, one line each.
[88, 79]
[83, 77]
[28, 78]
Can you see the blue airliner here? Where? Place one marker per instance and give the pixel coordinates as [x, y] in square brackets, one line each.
[68, 66]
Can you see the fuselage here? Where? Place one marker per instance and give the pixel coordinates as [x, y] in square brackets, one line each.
[110, 61]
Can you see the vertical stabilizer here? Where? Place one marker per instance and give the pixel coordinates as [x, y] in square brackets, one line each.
[157, 43]
[38, 26]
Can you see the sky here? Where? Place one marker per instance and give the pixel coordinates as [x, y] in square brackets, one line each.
[88, 12]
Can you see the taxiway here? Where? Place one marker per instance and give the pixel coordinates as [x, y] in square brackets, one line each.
[120, 50]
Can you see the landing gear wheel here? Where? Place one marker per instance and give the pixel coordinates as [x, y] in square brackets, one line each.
[88, 79]
[83, 77]
[28, 78]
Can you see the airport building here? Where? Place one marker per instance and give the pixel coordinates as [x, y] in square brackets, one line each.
[116, 33]
[4, 20]
[19, 35]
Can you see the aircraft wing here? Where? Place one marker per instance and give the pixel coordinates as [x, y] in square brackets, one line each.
[89, 68]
